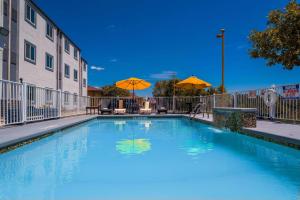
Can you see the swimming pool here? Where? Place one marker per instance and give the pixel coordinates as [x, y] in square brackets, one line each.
[149, 158]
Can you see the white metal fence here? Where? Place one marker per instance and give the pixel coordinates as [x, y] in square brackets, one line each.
[12, 102]
[286, 107]
[40, 103]
[73, 104]
[21, 103]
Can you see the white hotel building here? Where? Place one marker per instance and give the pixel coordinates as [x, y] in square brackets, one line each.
[37, 51]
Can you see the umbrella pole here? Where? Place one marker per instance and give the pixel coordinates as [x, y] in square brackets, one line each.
[132, 99]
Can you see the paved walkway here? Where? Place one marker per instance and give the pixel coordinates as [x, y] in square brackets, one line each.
[13, 135]
[279, 132]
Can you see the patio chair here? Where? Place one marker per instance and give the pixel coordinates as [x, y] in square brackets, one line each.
[162, 109]
[120, 109]
[105, 107]
[146, 109]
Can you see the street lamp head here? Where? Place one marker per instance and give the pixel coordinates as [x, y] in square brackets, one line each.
[222, 30]
[219, 36]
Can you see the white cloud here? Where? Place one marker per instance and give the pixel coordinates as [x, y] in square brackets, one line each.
[93, 67]
[164, 75]
[114, 60]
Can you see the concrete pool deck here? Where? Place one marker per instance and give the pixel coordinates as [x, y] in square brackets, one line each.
[287, 134]
[13, 135]
[283, 133]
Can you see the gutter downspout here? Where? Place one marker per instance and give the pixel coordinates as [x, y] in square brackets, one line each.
[9, 41]
[1, 39]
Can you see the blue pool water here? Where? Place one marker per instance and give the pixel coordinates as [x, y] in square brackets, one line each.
[150, 159]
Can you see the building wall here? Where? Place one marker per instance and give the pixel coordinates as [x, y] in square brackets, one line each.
[37, 73]
[84, 76]
[69, 84]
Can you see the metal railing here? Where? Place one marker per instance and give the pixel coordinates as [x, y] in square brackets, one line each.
[21, 103]
[285, 108]
[73, 104]
[12, 102]
[41, 103]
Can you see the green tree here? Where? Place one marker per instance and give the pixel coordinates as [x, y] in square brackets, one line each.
[165, 88]
[113, 91]
[280, 42]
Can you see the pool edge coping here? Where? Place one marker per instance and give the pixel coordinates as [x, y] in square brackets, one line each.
[21, 141]
[269, 137]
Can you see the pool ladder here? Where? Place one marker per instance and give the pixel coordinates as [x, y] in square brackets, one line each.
[197, 110]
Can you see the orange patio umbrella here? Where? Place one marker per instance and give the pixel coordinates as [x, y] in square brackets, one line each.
[133, 84]
[193, 82]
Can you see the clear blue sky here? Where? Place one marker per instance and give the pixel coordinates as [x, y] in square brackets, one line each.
[148, 38]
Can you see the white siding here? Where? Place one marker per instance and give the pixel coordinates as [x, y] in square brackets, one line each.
[69, 85]
[36, 73]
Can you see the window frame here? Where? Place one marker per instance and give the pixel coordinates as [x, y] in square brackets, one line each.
[34, 24]
[47, 67]
[52, 31]
[25, 57]
[75, 98]
[84, 82]
[67, 42]
[76, 54]
[75, 70]
[67, 75]
[84, 67]
[66, 98]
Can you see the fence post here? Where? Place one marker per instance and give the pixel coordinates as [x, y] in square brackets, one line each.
[174, 106]
[24, 102]
[214, 100]
[60, 103]
[235, 100]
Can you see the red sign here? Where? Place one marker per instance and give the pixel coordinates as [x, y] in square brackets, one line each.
[291, 91]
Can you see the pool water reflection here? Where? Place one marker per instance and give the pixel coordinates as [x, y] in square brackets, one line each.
[167, 158]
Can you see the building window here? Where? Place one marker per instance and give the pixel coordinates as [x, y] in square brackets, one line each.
[30, 52]
[49, 31]
[67, 46]
[30, 15]
[75, 99]
[14, 15]
[49, 62]
[67, 71]
[75, 53]
[84, 67]
[66, 98]
[75, 75]
[84, 82]
[5, 8]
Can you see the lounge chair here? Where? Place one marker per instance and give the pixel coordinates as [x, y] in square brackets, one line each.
[120, 109]
[162, 110]
[105, 107]
[146, 109]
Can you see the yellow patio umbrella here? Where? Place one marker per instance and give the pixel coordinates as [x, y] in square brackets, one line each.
[193, 82]
[133, 147]
[133, 84]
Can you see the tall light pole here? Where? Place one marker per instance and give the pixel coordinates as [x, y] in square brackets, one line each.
[222, 36]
